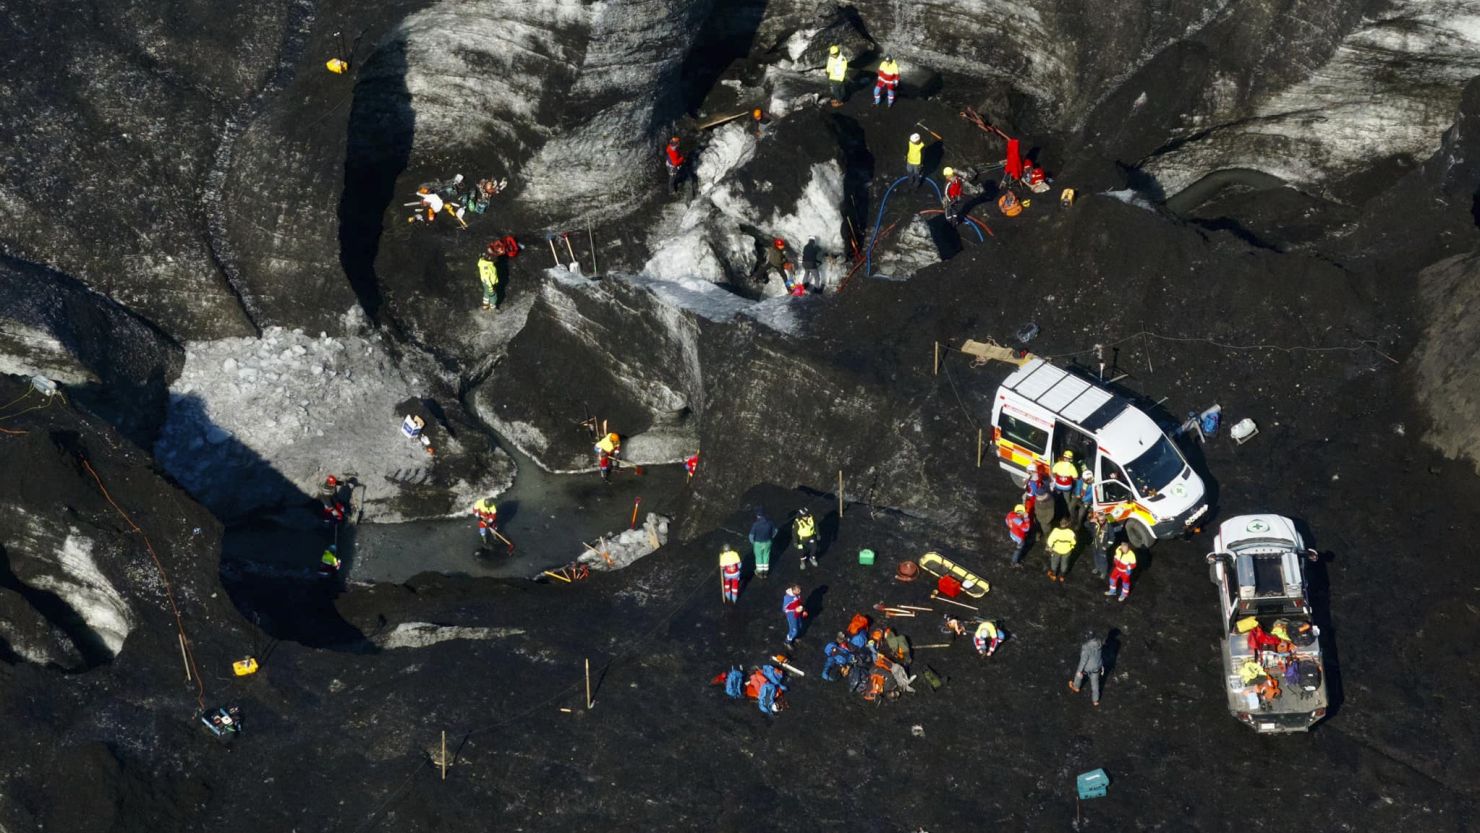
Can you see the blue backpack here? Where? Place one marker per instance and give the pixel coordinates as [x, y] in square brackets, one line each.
[735, 683]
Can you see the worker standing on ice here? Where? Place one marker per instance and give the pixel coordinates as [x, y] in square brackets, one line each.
[607, 449]
[1092, 665]
[691, 464]
[762, 532]
[1060, 543]
[914, 156]
[811, 262]
[729, 574]
[837, 74]
[951, 202]
[791, 606]
[488, 276]
[1021, 531]
[329, 499]
[1065, 473]
[487, 513]
[676, 162]
[1120, 572]
[804, 532]
[776, 262]
[888, 79]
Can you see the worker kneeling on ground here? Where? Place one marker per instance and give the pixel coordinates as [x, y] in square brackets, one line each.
[987, 637]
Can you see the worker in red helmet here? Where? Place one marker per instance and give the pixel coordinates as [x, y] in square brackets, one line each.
[676, 162]
[333, 508]
[777, 261]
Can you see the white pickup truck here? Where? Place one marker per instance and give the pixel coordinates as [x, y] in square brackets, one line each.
[1274, 674]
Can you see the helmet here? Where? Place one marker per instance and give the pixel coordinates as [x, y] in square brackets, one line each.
[948, 171]
[915, 137]
[841, 637]
[888, 59]
[1088, 475]
[756, 114]
[673, 141]
[1020, 508]
[876, 634]
[457, 179]
[1067, 455]
[423, 190]
[333, 548]
[331, 480]
[779, 243]
[832, 50]
[613, 437]
[804, 512]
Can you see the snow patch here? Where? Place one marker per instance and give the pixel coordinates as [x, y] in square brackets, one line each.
[1130, 196]
[423, 634]
[88, 592]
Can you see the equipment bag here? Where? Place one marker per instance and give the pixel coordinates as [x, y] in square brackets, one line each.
[857, 624]
[1302, 633]
[1310, 675]
[735, 683]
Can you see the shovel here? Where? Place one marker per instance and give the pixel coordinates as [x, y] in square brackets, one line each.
[551, 239]
[574, 266]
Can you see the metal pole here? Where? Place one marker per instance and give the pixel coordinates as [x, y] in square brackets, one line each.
[589, 704]
[978, 448]
[840, 493]
[444, 754]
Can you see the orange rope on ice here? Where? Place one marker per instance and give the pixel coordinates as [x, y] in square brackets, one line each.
[200, 696]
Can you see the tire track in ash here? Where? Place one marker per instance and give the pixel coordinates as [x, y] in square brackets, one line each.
[296, 29]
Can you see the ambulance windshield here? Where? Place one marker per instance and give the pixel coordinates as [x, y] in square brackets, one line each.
[1156, 469]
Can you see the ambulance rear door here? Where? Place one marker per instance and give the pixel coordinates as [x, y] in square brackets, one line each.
[1023, 434]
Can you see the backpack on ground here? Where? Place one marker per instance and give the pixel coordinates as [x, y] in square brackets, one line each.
[858, 624]
[735, 683]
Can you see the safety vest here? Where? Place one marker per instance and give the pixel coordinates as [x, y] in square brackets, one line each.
[806, 527]
[889, 73]
[1064, 475]
[729, 558]
[1250, 671]
[487, 272]
[1125, 560]
[483, 507]
[330, 558]
[986, 631]
[607, 445]
[837, 67]
[912, 157]
[953, 189]
[1062, 541]
[675, 159]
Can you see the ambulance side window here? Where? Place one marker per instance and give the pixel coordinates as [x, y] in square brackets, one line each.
[1113, 481]
[1025, 434]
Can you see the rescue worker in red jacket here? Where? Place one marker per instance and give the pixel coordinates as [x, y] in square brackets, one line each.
[329, 498]
[729, 574]
[888, 79]
[1120, 571]
[691, 464]
[952, 200]
[486, 511]
[675, 163]
[1021, 530]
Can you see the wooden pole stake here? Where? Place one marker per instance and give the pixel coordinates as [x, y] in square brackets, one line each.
[185, 658]
[932, 645]
[978, 448]
[840, 493]
[589, 704]
[444, 754]
[936, 368]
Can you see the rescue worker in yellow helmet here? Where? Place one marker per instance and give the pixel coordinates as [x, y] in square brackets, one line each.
[837, 74]
[1060, 543]
[488, 276]
[804, 532]
[1065, 473]
[888, 79]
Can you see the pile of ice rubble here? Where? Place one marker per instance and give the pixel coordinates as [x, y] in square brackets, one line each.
[258, 422]
[617, 551]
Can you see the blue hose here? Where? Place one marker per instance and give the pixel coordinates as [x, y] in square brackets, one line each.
[868, 265]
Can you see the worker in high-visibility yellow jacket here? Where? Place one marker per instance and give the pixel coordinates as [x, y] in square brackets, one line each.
[837, 74]
[488, 276]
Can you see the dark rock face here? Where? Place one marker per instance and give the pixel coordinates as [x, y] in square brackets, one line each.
[117, 365]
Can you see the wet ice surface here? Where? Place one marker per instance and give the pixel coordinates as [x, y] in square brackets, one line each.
[547, 516]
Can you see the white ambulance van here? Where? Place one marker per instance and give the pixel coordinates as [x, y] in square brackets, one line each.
[1042, 411]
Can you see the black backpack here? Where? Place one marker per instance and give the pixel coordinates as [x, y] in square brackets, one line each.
[1309, 676]
[1302, 634]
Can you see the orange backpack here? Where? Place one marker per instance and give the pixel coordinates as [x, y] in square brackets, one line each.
[857, 624]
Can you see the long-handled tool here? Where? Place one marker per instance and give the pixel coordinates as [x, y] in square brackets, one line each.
[591, 238]
[501, 537]
[931, 645]
[551, 239]
[574, 266]
[935, 594]
[931, 132]
[635, 504]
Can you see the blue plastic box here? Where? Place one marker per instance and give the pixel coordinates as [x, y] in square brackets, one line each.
[1092, 784]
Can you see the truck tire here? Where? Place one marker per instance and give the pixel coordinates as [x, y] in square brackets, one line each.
[1139, 536]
